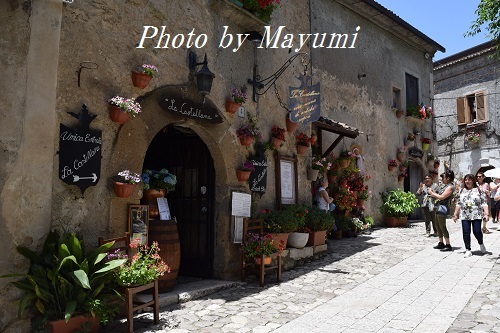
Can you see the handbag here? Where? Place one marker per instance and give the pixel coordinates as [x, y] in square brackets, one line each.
[442, 210]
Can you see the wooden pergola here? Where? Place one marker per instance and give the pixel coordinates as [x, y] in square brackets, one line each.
[329, 125]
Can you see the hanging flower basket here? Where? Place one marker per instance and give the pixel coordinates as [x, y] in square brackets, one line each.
[243, 175]
[117, 115]
[276, 142]
[232, 107]
[123, 190]
[246, 140]
[301, 149]
[312, 174]
[140, 80]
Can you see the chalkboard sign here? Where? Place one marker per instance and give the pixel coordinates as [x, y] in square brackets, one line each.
[258, 178]
[304, 101]
[179, 106]
[80, 152]
[415, 152]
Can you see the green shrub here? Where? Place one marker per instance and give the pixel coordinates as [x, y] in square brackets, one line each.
[318, 220]
[397, 203]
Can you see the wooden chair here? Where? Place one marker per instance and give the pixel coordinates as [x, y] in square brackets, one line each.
[256, 226]
[123, 243]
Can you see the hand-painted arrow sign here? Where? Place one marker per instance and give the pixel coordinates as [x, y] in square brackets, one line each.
[77, 178]
[80, 153]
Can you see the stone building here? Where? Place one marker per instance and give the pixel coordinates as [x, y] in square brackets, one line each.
[63, 55]
[466, 104]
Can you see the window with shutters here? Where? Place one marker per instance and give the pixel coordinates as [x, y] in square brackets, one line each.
[471, 109]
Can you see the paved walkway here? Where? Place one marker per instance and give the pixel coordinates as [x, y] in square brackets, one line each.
[391, 280]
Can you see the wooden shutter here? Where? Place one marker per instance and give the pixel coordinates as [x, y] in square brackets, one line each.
[461, 101]
[480, 107]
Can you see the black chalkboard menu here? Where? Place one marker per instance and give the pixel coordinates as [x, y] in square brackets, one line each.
[80, 152]
[258, 178]
[304, 101]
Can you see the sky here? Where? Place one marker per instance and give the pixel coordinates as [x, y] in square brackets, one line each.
[444, 21]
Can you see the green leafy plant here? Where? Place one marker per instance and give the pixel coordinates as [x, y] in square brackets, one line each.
[279, 221]
[159, 180]
[144, 267]
[319, 220]
[320, 163]
[397, 203]
[343, 222]
[63, 280]
[261, 8]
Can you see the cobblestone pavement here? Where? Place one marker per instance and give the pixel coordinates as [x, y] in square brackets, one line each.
[390, 280]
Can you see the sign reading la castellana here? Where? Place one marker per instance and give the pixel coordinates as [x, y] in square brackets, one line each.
[80, 152]
[304, 101]
[187, 108]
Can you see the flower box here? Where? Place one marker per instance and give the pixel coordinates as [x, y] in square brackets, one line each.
[316, 238]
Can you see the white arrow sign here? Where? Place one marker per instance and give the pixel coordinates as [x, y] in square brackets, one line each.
[77, 178]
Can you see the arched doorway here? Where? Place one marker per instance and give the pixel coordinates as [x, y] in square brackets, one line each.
[182, 152]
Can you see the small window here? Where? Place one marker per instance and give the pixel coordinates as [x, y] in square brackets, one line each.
[396, 98]
[471, 109]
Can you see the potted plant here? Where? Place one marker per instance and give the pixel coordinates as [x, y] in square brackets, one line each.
[257, 247]
[403, 166]
[156, 185]
[65, 283]
[243, 173]
[143, 75]
[400, 153]
[261, 9]
[318, 166]
[362, 196]
[121, 108]
[237, 99]
[277, 136]
[345, 158]
[401, 176]
[144, 267]
[396, 206]
[303, 142]
[280, 223]
[125, 183]
[392, 164]
[472, 137]
[425, 143]
[318, 222]
[298, 237]
[248, 132]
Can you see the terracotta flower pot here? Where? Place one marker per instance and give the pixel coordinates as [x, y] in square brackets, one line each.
[73, 325]
[390, 167]
[140, 80]
[395, 222]
[400, 178]
[399, 113]
[344, 163]
[316, 238]
[243, 175]
[149, 198]
[400, 157]
[290, 126]
[232, 107]
[267, 260]
[117, 115]
[276, 142]
[246, 140]
[360, 202]
[123, 190]
[301, 149]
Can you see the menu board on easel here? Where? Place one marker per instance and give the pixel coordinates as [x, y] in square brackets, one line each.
[286, 180]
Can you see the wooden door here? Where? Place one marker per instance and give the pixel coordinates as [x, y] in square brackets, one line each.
[411, 184]
[184, 154]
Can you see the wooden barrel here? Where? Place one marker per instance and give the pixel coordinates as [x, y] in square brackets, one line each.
[166, 235]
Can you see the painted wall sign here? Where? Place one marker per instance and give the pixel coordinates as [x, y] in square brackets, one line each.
[415, 152]
[304, 101]
[80, 152]
[258, 178]
[185, 108]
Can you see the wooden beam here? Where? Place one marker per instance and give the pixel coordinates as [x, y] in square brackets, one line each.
[333, 145]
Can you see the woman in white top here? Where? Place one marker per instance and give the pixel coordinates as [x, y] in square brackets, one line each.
[322, 198]
[472, 207]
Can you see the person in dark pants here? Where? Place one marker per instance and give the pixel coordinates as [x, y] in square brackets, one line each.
[428, 205]
[472, 208]
[494, 185]
[444, 195]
